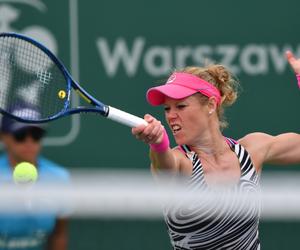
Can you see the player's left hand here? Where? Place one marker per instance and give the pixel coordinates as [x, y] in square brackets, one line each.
[293, 61]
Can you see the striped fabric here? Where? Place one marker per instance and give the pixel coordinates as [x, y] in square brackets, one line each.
[199, 226]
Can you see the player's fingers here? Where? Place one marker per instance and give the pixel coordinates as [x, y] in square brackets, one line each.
[148, 118]
[156, 137]
[159, 137]
[141, 138]
[290, 57]
[156, 130]
[141, 128]
[151, 129]
[138, 130]
[143, 133]
[156, 134]
[151, 132]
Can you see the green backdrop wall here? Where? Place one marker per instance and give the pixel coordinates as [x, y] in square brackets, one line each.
[118, 49]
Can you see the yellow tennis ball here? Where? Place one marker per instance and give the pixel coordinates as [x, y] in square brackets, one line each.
[62, 94]
[25, 173]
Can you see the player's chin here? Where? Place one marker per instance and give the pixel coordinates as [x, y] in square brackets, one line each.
[179, 139]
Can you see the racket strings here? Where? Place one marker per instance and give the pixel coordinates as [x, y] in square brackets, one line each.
[30, 80]
[4, 72]
[45, 71]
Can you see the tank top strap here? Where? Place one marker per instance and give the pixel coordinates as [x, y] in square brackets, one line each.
[184, 148]
[248, 171]
[231, 142]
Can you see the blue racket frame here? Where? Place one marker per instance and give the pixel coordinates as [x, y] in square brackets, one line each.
[97, 106]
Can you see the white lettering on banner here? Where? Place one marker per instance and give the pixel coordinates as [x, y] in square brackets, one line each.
[254, 60]
[228, 53]
[157, 61]
[111, 60]
[278, 58]
[155, 53]
[181, 55]
[202, 55]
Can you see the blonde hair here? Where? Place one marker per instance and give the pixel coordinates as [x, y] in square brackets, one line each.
[221, 78]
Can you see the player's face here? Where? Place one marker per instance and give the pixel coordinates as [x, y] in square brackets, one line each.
[24, 145]
[187, 118]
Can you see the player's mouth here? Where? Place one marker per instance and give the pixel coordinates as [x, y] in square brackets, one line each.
[175, 128]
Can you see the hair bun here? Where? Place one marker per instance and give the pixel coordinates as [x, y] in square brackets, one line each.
[225, 82]
[220, 77]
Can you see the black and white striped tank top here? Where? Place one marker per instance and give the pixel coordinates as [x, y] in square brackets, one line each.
[198, 227]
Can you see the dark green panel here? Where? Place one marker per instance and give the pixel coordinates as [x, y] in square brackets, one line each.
[116, 234]
[279, 235]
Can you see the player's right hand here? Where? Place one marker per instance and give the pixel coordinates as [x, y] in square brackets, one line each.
[152, 133]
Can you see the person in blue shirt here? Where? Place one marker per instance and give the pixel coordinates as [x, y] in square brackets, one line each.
[22, 142]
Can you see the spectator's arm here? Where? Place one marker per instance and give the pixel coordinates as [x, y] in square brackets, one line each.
[58, 238]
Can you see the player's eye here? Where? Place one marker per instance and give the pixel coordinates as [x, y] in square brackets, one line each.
[167, 108]
[181, 106]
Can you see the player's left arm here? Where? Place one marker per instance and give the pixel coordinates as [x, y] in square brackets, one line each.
[280, 149]
[265, 148]
[58, 239]
[283, 149]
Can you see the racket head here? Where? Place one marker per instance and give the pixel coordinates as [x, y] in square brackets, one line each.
[32, 77]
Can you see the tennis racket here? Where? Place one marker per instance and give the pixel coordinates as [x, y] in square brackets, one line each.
[33, 79]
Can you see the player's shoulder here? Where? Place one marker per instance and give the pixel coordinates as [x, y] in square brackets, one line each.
[256, 141]
[178, 150]
[52, 169]
[181, 153]
[255, 137]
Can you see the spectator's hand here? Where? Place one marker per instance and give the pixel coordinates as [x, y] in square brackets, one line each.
[152, 133]
[293, 61]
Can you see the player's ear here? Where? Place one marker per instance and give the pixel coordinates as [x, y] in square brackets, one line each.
[212, 104]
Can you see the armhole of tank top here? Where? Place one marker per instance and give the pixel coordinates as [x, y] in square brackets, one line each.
[231, 142]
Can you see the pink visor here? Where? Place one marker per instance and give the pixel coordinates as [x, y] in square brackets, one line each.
[182, 85]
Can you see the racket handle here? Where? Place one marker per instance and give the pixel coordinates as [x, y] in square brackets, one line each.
[125, 118]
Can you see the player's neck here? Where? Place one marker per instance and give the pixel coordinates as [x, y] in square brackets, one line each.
[212, 143]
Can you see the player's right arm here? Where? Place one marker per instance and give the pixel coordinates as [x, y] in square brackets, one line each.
[165, 160]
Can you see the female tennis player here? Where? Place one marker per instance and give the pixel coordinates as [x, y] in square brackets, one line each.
[194, 99]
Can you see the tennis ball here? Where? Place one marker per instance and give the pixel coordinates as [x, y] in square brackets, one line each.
[62, 94]
[25, 173]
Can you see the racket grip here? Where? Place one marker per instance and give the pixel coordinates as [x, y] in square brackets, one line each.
[125, 118]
